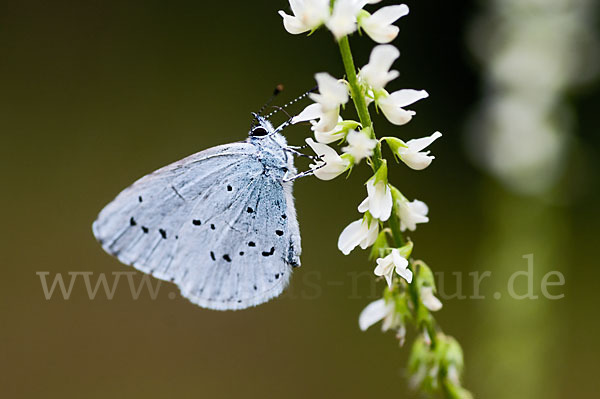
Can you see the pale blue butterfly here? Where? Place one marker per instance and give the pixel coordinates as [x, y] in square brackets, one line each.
[221, 224]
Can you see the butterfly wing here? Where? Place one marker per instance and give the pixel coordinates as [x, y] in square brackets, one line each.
[219, 224]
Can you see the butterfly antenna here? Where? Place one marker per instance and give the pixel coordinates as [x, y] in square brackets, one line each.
[278, 89]
[282, 109]
[277, 109]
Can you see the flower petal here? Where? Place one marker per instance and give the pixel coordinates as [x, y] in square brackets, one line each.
[331, 164]
[377, 72]
[293, 24]
[311, 112]
[417, 160]
[390, 14]
[394, 114]
[429, 300]
[370, 234]
[351, 236]
[380, 200]
[364, 206]
[332, 92]
[423, 142]
[372, 313]
[402, 98]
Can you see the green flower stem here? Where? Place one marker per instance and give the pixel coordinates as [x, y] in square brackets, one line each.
[360, 104]
[359, 99]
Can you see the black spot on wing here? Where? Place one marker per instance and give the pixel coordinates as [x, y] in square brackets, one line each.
[132, 221]
[140, 199]
[271, 252]
[212, 255]
[145, 229]
[250, 210]
[227, 258]
[196, 222]
[163, 233]
[279, 232]
[251, 244]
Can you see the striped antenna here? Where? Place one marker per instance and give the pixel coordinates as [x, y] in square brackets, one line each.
[278, 89]
[291, 102]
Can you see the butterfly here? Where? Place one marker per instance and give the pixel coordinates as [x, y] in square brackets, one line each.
[220, 224]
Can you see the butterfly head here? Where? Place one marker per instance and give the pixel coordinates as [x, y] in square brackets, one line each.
[260, 126]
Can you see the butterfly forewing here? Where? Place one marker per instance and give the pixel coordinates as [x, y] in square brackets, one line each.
[219, 224]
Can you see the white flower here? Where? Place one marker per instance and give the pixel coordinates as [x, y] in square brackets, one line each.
[327, 119]
[379, 25]
[429, 300]
[393, 261]
[310, 113]
[308, 15]
[381, 310]
[377, 72]
[343, 19]
[359, 145]
[338, 133]
[412, 156]
[359, 232]
[334, 165]
[375, 312]
[392, 105]
[332, 94]
[379, 200]
[412, 213]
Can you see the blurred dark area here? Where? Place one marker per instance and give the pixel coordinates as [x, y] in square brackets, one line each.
[95, 94]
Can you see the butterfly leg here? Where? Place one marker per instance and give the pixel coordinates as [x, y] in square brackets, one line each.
[292, 150]
[304, 174]
[298, 147]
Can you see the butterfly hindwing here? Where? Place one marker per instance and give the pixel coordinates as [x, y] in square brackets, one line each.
[219, 224]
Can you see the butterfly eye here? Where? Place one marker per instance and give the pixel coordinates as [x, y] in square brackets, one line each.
[259, 131]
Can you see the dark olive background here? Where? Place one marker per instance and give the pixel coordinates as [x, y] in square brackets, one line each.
[94, 94]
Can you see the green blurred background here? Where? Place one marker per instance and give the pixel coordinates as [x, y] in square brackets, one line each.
[94, 94]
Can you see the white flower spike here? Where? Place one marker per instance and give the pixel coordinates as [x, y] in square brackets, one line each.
[413, 156]
[393, 262]
[393, 105]
[360, 232]
[332, 165]
[379, 200]
[412, 213]
[308, 15]
[430, 301]
[359, 145]
[379, 26]
[377, 72]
